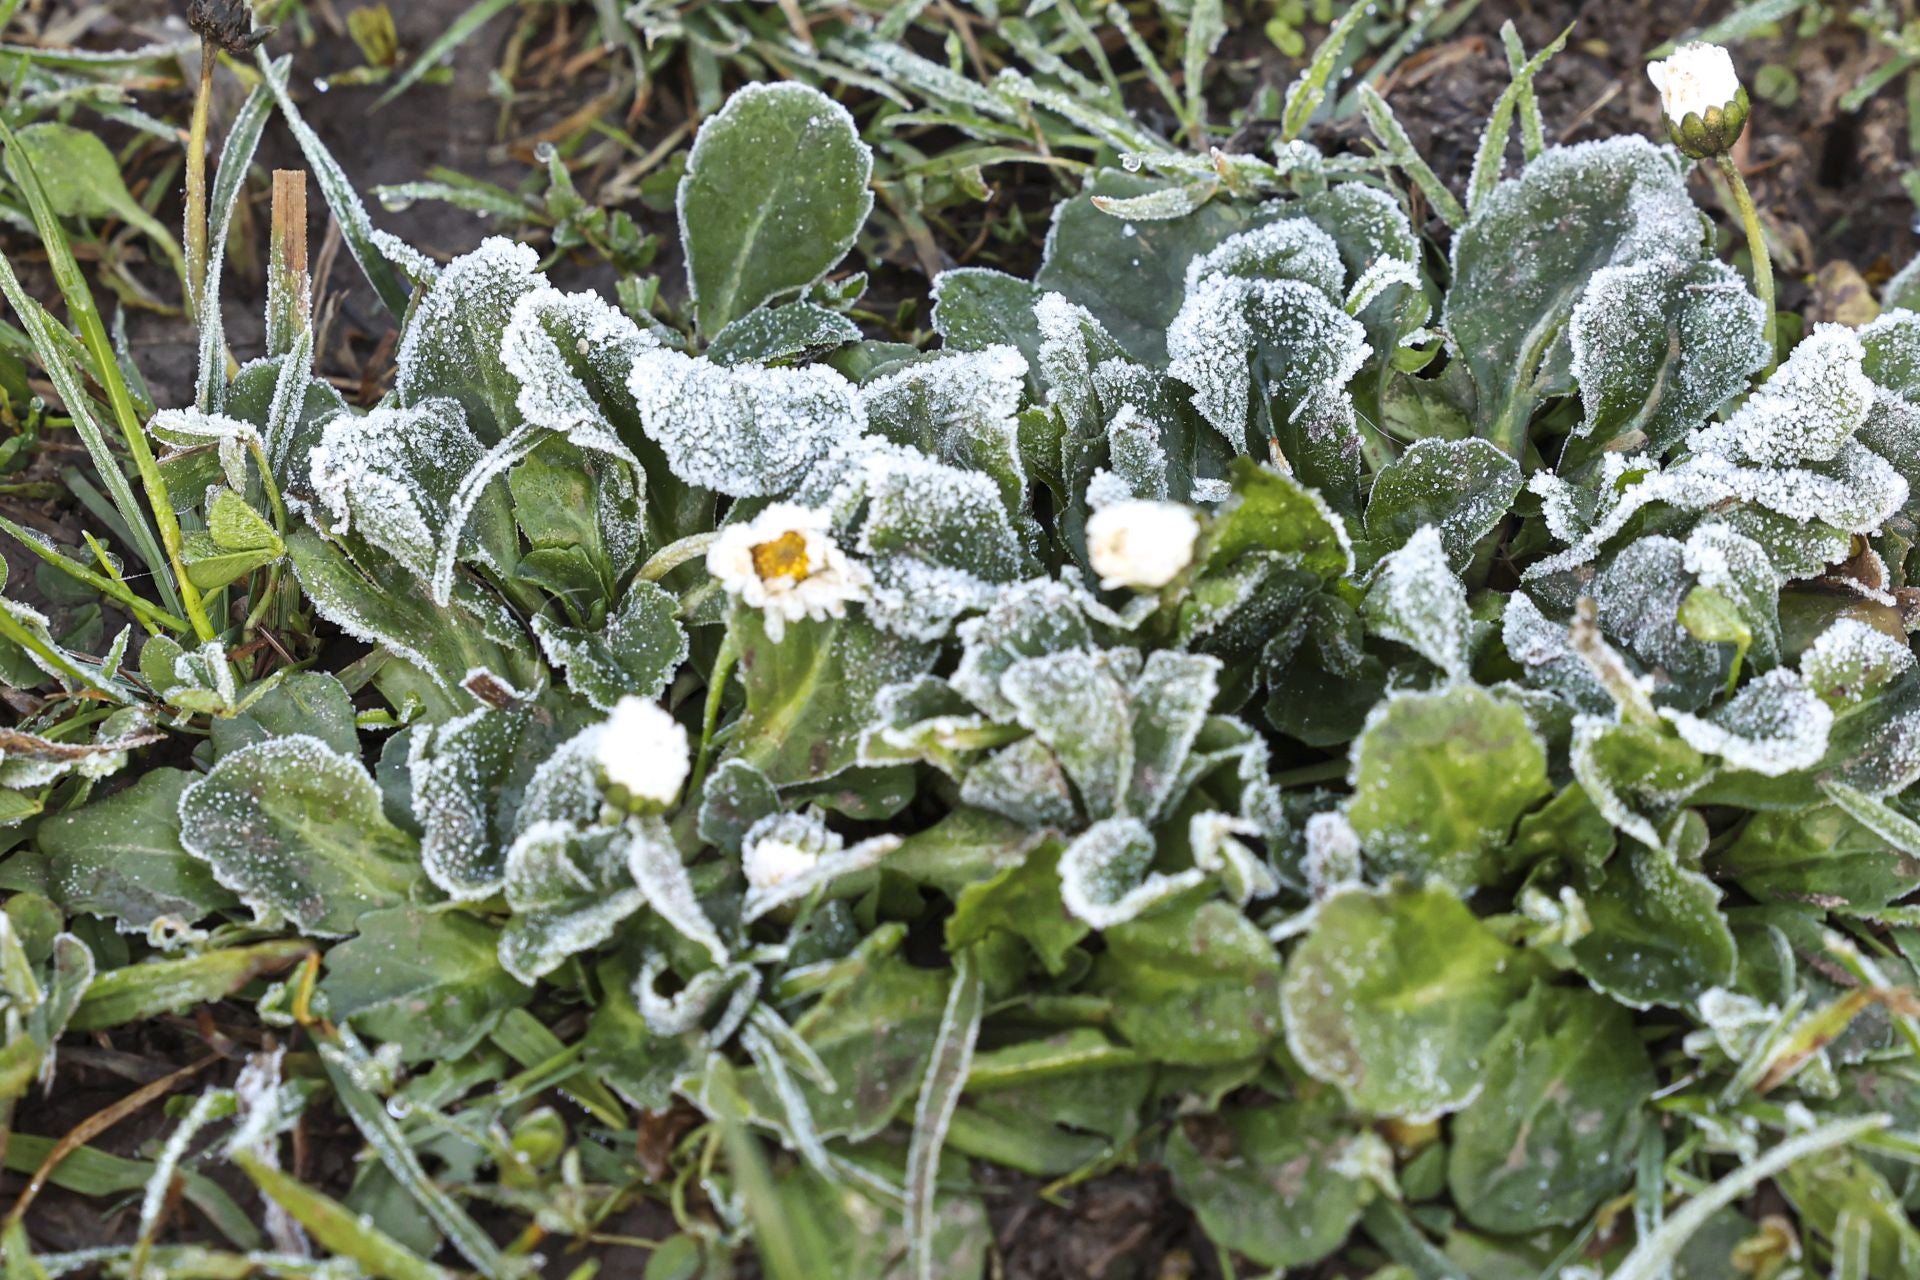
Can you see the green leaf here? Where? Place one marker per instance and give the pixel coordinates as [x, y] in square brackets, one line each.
[1271, 512]
[1818, 855]
[139, 991]
[774, 194]
[82, 180]
[121, 856]
[634, 655]
[1395, 995]
[1024, 901]
[1461, 487]
[430, 982]
[309, 702]
[810, 695]
[1270, 1182]
[1555, 1129]
[1439, 781]
[1194, 984]
[794, 333]
[1524, 260]
[1658, 936]
[297, 830]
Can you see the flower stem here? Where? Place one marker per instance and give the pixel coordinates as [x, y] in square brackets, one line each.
[196, 228]
[1757, 246]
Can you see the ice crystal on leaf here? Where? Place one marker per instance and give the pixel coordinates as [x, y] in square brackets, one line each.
[1851, 662]
[1290, 249]
[390, 477]
[787, 856]
[743, 430]
[1774, 725]
[1807, 412]
[569, 889]
[960, 407]
[1105, 876]
[1416, 600]
[452, 345]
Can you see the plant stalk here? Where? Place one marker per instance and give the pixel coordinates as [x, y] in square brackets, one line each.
[1757, 247]
[197, 228]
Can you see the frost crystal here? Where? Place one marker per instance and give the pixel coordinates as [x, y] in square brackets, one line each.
[786, 856]
[963, 407]
[1774, 725]
[1806, 412]
[452, 339]
[742, 430]
[1851, 662]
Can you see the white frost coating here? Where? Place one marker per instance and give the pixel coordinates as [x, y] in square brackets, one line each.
[1023, 781]
[487, 281]
[415, 265]
[642, 748]
[921, 601]
[786, 856]
[1850, 662]
[1105, 875]
[1141, 545]
[1291, 249]
[564, 897]
[1698, 78]
[1105, 489]
[655, 864]
[566, 786]
[969, 400]
[687, 1009]
[785, 563]
[1219, 851]
[1560, 505]
[1026, 620]
[457, 847]
[742, 430]
[1381, 275]
[1806, 412]
[1072, 342]
[1207, 490]
[1587, 731]
[1417, 601]
[188, 428]
[386, 473]
[1222, 321]
[1773, 726]
[1855, 492]
[1139, 457]
[1333, 854]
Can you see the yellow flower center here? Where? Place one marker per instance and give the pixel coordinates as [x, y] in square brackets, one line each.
[784, 557]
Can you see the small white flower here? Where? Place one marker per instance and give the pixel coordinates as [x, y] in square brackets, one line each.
[643, 749]
[1141, 544]
[1695, 78]
[772, 862]
[785, 563]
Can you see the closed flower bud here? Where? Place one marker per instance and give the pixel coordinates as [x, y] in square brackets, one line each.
[642, 753]
[1143, 545]
[1701, 98]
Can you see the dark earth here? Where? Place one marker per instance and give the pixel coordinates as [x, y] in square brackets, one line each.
[1828, 183]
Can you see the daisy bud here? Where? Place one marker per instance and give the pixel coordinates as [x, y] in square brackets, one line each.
[642, 754]
[1139, 544]
[1701, 98]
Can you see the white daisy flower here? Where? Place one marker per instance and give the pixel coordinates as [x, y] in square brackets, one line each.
[772, 862]
[643, 749]
[1697, 78]
[1140, 544]
[785, 563]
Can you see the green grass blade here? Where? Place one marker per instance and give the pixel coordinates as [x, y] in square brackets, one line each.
[1402, 155]
[1490, 162]
[1656, 1251]
[336, 1228]
[940, 1093]
[144, 610]
[229, 182]
[1305, 94]
[1533, 138]
[355, 226]
[523, 1037]
[446, 42]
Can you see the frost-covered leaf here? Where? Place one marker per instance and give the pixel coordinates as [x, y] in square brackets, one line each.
[810, 695]
[1270, 512]
[796, 332]
[1805, 412]
[1396, 995]
[1075, 702]
[568, 889]
[1416, 601]
[1635, 775]
[1658, 936]
[976, 307]
[1026, 621]
[121, 857]
[452, 344]
[429, 982]
[1462, 487]
[297, 830]
[1193, 985]
[1525, 260]
[1555, 1129]
[1821, 855]
[736, 796]
[1130, 274]
[774, 193]
[1106, 875]
[1024, 900]
[469, 775]
[1657, 346]
[743, 431]
[1774, 725]
[961, 408]
[635, 653]
[1290, 249]
[390, 478]
[1439, 780]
